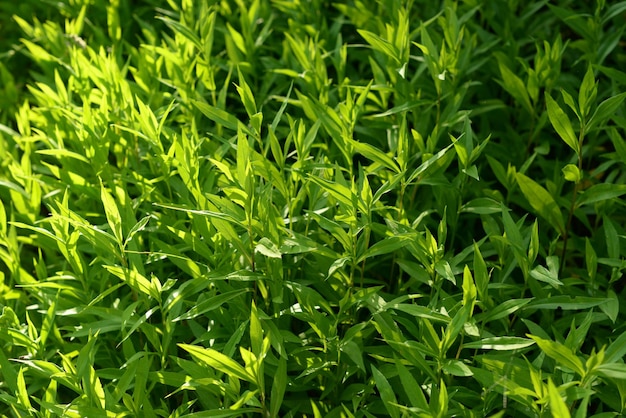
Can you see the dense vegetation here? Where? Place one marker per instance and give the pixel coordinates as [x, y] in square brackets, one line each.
[312, 208]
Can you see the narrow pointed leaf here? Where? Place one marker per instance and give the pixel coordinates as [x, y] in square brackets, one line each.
[541, 201]
[386, 393]
[218, 361]
[562, 354]
[561, 123]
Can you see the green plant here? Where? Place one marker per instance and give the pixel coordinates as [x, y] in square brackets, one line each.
[272, 208]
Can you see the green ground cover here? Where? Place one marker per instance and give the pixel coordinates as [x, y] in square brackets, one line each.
[307, 208]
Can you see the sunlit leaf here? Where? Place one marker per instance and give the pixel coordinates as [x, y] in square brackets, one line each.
[218, 361]
[561, 354]
[557, 405]
[500, 343]
[561, 123]
[541, 201]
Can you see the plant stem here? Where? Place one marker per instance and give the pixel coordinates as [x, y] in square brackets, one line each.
[573, 202]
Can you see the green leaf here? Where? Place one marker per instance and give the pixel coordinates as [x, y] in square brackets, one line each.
[59, 153]
[380, 44]
[542, 202]
[387, 245]
[406, 106]
[224, 413]
[279, 384]
[47, 325]
[549, 275]
[481, 206]
[611, 370]
[353, 351]
[569, 101]
[454, 328]
[256, 331]
[613, 73]
[236, 37]
[22, 393]
[616, 350]
[457, 368]
[386, 393]
[135, 280]
[338, 191]
[268, 248]
[600, 192]
[418, 311]
[220, 116]
[619, 143]
[500, 343]
[472, 172]
[561, 354]
[498, 170]
[10, 376]
[558, 408]
[612, 239]
[218, 361]
[410, 386]
[561, 123]
[139, 226]
[611, 307]
[614, 10]
[183, 30]
[308, 297]
[112, 213]
[591, 259]
[207, 305]
[533, 246]
[481, 275]
[432, 161]
[515, 87]
[86, 358]
[574, 20]
[374, 154]
[565, 302]
[469, 290]
[511, 229]
[94, 390]
[247, 98]
[3, 220]
[571, 173]
[606, 110]
[335, 229]
[587, 93]
[439, 400]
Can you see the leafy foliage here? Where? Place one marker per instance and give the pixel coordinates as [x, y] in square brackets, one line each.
[353, 209]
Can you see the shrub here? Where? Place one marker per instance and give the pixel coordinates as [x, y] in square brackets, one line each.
[277, 208]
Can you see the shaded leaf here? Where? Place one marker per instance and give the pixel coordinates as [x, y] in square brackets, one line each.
[279, 384]
[412, 389]
[600, 192]
[606, 110]
[515, 86]
[386, 393]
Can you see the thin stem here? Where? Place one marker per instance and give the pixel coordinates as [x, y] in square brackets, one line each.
[570, 216]
[531, 137]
